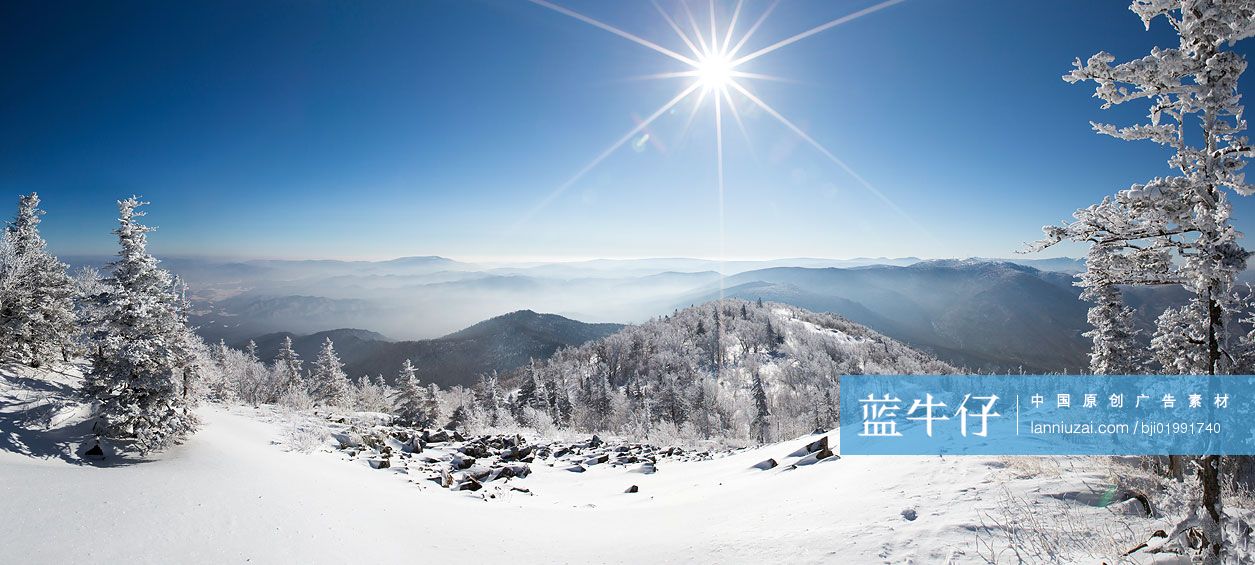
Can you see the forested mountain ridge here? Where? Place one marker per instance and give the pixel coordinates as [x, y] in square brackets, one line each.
[502, 344]
[730, 368]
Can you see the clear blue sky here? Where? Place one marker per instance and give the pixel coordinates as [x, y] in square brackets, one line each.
[378, 129]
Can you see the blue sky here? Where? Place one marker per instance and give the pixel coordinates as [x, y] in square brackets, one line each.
[319, 129]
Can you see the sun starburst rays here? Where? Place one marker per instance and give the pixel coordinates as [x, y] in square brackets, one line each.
[713, 69]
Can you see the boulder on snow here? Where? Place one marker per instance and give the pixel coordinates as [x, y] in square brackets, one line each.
[595, 442]
[347, 440]
[380, 464]
[632, 489]
[815, 458]
[477, 449]
[820, 444]
[459, 461]
[909, 514]
[646, 469]
[508, 472]
[438, 436]
[95, 452]
[469, 484]
[576, 468]
[764, 465]
[597, 459]
[478, 472]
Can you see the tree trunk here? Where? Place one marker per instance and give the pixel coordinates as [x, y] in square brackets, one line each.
[1209, 466]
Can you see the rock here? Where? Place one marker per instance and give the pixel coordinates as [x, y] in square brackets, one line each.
[764, 465]
[909, 514]
[512, 471]
[479, 472]
[379, 464]
[1142, 508]
[469, 484]
[459, 461]
[815, 458]
[347, 440]
[438, 437]
[576, 468]
[596, 442]
[417, 444]
[632, 489]
[820, 444]
[477, 449]
[597, 459]
[645, 468]
[95, 452]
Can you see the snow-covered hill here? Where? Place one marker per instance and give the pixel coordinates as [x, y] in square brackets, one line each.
[238, 491]
[698, 371]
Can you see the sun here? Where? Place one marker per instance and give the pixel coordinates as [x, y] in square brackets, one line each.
[714, 71]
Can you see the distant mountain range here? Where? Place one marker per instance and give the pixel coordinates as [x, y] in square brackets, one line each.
[503, 343]
[983, 314]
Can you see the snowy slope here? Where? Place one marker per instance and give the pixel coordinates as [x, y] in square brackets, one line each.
[235, 493]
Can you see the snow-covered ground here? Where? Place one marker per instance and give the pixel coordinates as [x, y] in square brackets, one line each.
[235, 492]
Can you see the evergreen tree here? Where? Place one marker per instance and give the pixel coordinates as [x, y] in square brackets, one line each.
[1177, 229]
[412, 399]
[1115, 350]
[37, 313]
[431, 404]
[762, 412]
[328, 383]
[532, 392]
[287, 370]
[490, 398]
[142, 364]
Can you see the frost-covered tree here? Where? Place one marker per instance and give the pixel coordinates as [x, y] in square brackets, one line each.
[288, 378]
[762, 410]
[1177, 229]
[37, 314]
[490, 400]
[372, 395]
[329, 385]
[412, 404]
[143, 360]
[1115, 350]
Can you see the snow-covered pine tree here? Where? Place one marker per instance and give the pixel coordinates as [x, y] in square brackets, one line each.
[288, 379]
[411, 400]
[12, 266]
[329, 385]
[762, 411]
[431, 404]
[1115, 350]
[37, 314]
[490, 398]
[142, 363]
[1197, 112]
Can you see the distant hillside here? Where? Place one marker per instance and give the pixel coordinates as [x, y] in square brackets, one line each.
[985, 315]
[981, 314]
[502, 344]
[695, 369]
